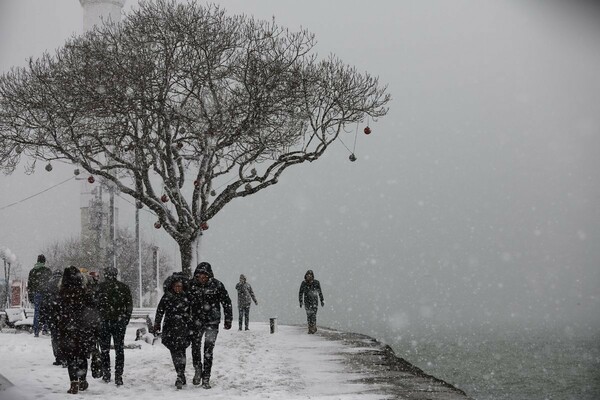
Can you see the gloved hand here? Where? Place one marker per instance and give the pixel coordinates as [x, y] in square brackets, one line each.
[256, 302]
[156, 328]
[300, 305]
[227, 325]
[322, 304]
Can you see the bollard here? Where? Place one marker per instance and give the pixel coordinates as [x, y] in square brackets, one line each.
[273, 324]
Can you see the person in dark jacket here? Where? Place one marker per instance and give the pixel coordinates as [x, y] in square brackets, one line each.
[115, 305]
[245, 298]
[47, 313]
[75, 326]
[36, 283]
[206, 295]
[175, 307]
[310, 294]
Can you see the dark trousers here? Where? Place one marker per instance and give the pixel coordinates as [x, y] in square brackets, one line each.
[209, 332]
[311, 316]
[244, 312]
[179, 360]
[55, 346]
[116, 331]
[77, 367]
[38, 298]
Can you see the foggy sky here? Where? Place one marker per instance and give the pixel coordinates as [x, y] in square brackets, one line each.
[474, 202]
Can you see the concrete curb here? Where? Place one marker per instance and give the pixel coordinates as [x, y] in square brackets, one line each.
[380, 365]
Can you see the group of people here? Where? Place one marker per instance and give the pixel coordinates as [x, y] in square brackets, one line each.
[81, 313]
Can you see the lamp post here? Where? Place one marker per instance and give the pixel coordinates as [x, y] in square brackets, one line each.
[8, 258]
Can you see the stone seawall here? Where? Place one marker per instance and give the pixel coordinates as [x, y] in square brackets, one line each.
[394, 376]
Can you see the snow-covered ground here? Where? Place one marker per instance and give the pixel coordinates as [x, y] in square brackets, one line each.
[249, 364]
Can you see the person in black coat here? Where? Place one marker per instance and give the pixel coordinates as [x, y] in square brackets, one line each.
[75, 321]
[115, 305]
[206, 295]
[310, 294]
[47, 313]
[175, 307]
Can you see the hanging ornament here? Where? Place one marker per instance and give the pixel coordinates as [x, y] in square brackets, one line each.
[253, 171]
[91, 179]
[182, 131]
[48, 167]
[197, 183]
[213, 193]
[157, 225]
[352, 157]
[204, 226]
[139, 204]
[367, 130]
[248, 186]
[179, 145]
[76, 172]
[164, 198]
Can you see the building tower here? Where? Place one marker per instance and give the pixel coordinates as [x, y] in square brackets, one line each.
[99, 219]
[95, 11]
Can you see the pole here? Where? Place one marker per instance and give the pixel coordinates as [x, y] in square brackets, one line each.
[139, 248]
[157, 272]
[113, 226]
[6, 283]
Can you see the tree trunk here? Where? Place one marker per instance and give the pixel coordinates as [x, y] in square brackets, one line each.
[185, 250]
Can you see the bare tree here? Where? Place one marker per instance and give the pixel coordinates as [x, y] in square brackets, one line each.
[183, 108]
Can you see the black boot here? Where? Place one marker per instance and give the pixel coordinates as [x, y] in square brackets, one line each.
[119, 380]
[206, 383]
[178, 383]
[197, 377]
[83, 385]
[74, 387]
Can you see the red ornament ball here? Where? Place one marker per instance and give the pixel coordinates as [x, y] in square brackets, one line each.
[91, 179]
[164, 198]
[197, 183]
[204, 226]
[367, 130]
[157, 225]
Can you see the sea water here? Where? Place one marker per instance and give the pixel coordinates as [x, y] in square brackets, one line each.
[515, 366]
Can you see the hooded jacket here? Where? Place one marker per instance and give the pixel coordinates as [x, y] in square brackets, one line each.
[206, 300]
[245, 294]
[310, 292]
[175, 308]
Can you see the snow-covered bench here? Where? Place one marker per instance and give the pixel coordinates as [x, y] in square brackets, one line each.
[19, 318]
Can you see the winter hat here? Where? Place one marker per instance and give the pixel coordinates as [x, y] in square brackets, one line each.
[203, 268]
[309, 272]
[111, 272]
[72, 277]
[41, 258]
[243, 277]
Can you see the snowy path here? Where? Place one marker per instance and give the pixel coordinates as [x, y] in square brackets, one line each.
[250, 364]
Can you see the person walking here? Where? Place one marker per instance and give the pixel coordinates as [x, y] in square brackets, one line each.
[75, 326]
[47, 313]
[115, 305]
[245, 298]
[36, 285]
[310, 294]
[175, 307]
[206, 295]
